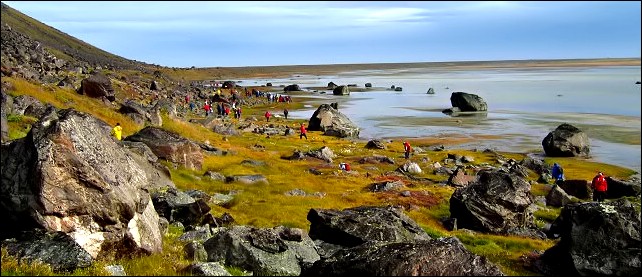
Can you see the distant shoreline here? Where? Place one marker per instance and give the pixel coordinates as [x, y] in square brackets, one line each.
[289, 70]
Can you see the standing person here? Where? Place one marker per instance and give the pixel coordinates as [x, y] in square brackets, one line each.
[267, 116]
[558, 173]
[407, 149]
[303, 132]
[207, 107]
[117, 131]
[599, 187]
[285, 112]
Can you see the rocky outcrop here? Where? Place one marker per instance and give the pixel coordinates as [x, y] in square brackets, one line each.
[170, 146]
[557, 197]
[618, 188]
[341, 90]
[264, 251]
[97, 86]
[375, 144]
[332, 123]
[69, 174]
[439, 257]
[566, 141]
[596, 239]
[497, 202]
[468, 102]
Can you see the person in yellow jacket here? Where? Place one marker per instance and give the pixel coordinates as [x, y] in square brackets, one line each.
[117, 131]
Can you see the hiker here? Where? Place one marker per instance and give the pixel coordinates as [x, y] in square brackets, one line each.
[407, 149]
[599, 186]
[191, 106]
[207, 108]
[557, 173]
[303, 132]
[117, 131]
[267, 116]
[285, 112]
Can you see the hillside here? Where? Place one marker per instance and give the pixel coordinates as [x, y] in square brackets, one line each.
[61, 44]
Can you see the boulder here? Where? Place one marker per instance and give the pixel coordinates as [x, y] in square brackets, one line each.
[468, 102]
[620, 188]
[292, 87]
[368, 85]
[556, 197]
[355, 226]
[177, 206]
[596, 239]
[375, 144]
[376, 159]
[97, 85]
[439, 257]
[170, 146]
[566, 141]
[332, 85]
[69, 174]
[332, 123]
[264, 251]
[22, 102]
[578, 188]
[57, 249]
[431, 91]
[341, 90]
[206, 269]
[497, 202]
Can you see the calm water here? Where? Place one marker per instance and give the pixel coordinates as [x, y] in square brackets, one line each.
[524, 105]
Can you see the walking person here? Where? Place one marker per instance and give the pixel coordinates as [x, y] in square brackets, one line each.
[117, 132]
[557, 173]
[267, 116]
[285, 112]
[303, 132]
[599, 186]
[407, 149]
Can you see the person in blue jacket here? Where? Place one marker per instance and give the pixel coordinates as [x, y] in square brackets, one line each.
[557, 173]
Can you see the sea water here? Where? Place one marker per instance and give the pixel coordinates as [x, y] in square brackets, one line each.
[524, 105]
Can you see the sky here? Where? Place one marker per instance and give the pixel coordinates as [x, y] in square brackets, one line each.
[264, 33]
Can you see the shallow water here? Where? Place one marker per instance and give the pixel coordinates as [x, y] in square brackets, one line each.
[524, 105]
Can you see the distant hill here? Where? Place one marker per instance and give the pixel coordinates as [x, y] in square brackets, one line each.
[61, 44]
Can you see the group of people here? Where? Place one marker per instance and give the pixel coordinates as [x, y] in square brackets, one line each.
[598, 184]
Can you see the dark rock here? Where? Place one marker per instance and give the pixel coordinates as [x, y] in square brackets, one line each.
[332, 123]
[375, 144]
[341, 90]
[597, 239]
[440, 257]
[386, 186]
[368, 85]
[247, 179]
[556, 197]
[56, 249]
[578, 188]
[468, 102]
[261, 251]
[177, 206]
[206, 269]
[496, 202]
[375, 159]
[293, 87]
[170, 146]
[97, 85]
[566, 141]
[619, 188]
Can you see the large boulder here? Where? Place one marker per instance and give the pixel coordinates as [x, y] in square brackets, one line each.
[439, 257]
[597, 239]
[97, 85]
[264, 251]
[566, 141]
[497, 202]
[69, 174]
[170, 146]
[619, 188]
[468, 102]
[332, 123]
[177, 206]
[341, 90]
[293, 87]
[355, 226]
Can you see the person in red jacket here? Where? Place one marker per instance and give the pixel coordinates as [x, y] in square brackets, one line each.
[267, 116]
[303, 132]
[599, 187]
[407, 149]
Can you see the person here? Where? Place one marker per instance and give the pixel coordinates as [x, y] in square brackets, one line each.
[407, 149]
[599, 186]
[117, 131]
[267, 116]
[285, 112]
[303, 132]
[558, 173]
[207, 107]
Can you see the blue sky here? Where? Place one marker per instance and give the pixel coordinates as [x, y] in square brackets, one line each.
[208, 34]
